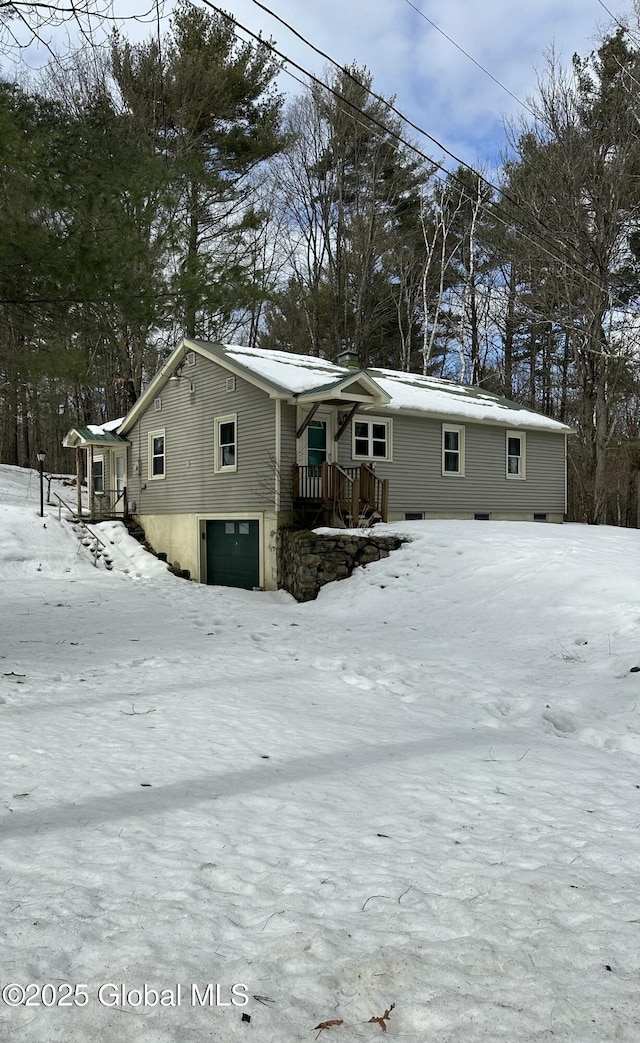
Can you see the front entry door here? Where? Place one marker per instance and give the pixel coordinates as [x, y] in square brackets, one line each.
[316, 445]
[233, 553]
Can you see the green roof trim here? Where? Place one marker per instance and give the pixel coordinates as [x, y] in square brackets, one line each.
[84, 436]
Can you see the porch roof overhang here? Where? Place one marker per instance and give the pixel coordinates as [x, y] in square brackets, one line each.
[84, 438]
[357, 388]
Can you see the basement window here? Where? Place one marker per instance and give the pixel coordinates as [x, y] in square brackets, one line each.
[414, 516]
[540, 517]
[482, 517]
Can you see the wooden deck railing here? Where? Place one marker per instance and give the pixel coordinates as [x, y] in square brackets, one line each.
[106, 505]
[110, 503]
[353, 491]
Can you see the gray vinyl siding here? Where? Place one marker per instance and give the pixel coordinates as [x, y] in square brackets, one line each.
[190, 484]
[416, 482]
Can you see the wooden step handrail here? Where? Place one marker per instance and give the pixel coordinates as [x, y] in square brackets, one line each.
[349, 489]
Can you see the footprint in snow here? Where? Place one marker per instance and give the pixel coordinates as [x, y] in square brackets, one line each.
[564, 723]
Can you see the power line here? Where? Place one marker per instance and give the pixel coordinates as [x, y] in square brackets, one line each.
[372, 120]
[612, 16]
[575, 264]
[471, 58]
[558, 241]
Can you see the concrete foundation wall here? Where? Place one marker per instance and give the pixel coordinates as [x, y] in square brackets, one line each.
[181, 537]
[552, 516]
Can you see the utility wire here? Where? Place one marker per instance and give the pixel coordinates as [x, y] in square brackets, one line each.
[575, 263]
[471, 59]
[372, 120]
[556, 239]
[613, 17]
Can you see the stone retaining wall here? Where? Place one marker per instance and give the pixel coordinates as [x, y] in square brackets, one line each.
[307, 561]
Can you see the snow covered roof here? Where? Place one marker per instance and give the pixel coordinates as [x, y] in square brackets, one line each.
[406, 392]
[293, 373]
[106, 428]
[306, 378]
[411, 391]
[94, 434]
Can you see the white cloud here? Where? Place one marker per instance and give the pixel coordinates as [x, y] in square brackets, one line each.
[435, 85]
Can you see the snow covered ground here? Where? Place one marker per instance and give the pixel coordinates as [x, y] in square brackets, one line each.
[416, 799]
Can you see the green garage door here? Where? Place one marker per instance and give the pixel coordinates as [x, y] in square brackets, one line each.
[233, 553]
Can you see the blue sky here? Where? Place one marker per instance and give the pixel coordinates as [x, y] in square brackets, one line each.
[435, 85]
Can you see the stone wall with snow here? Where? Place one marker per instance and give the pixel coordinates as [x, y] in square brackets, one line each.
[307, 560]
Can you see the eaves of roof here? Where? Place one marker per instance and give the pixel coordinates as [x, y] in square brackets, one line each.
[84, 436]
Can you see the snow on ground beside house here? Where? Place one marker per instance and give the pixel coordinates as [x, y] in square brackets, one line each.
[420, 789]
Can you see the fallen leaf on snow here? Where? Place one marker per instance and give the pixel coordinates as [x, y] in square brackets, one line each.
[385, 1017]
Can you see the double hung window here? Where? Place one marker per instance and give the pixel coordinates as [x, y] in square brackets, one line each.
[98, 474]
[226, 447]
[516, 454]
[453, 450]
[157, 461]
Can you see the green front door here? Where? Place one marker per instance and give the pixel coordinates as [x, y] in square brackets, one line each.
[316, 445]
[233, 553]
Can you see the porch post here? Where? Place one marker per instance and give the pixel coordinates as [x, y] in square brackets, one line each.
[90, 480]
[78, 481]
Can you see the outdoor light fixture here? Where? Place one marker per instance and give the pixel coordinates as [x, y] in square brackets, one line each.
[41, 458]
[177, 373]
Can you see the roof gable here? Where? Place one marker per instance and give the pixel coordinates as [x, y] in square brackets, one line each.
[174, 364]
[82, 437]
[357, 387]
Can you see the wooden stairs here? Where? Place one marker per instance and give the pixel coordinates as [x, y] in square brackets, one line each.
[355, 496]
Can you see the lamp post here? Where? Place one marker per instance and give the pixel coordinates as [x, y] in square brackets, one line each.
[41, 458]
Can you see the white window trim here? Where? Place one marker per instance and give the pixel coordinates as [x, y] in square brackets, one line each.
[523, 456]
[159, 432]
[218, 467]
[365, 418]
[459, 429]
[99, 459]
